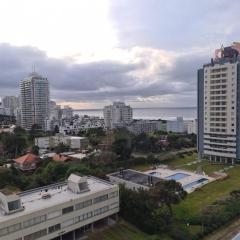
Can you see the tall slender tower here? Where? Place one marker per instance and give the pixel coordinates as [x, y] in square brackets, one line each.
[34, 101]
[219, 106]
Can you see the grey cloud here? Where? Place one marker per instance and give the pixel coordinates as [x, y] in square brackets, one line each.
[96, 81]
[175, 24]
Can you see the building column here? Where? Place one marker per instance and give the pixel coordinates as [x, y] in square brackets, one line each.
[74, 235]
[92, 227]
[232, 161]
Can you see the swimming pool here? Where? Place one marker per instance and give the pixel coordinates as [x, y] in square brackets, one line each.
[177, 176]
[199, 181]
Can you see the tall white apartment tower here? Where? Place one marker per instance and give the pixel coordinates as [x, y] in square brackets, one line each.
[219, 106]
[34, 101]
[117, 115]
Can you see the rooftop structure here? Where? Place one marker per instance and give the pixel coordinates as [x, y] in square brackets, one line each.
[58, 209]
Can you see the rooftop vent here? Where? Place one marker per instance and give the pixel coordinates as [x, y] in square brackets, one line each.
[46, 195]
[77, 184]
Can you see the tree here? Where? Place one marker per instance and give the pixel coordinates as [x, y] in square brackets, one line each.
[56, 129]
[35, 150]
[122, 148]
[61, 147]
[168, 192]
[36, 131]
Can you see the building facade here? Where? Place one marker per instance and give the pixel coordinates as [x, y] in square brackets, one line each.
[218, 106]
[146, 126]
[61, 211]
[34, 101]
[117, 115]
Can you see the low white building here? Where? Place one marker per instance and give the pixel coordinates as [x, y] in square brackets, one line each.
[176, 126]
[74, 142]
[60, 211]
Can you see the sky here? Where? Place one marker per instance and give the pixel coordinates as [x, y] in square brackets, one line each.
[93, 52]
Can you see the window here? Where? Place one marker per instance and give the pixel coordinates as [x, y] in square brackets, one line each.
[114, 205]
[10, 229]
[54, 228]
[101, 198]
[67, 210]
[34, 221]
[83, 217]
[36, 235]
[101, 210]
[112, 194]
[83, 204]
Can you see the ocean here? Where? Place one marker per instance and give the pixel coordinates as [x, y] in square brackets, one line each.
[149, 113]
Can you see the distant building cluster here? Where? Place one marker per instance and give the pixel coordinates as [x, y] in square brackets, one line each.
[33, 107]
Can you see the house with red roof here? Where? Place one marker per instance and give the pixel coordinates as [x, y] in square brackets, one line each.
[27, 162]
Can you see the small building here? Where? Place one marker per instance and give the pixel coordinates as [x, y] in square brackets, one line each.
[27, 162]
[60, 211]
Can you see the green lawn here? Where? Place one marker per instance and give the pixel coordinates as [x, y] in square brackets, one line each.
[121, 231]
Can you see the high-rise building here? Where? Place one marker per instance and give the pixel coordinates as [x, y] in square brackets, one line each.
[34, 101]
[219, 106]
[67, 112]
[11, 103]
[117, 115]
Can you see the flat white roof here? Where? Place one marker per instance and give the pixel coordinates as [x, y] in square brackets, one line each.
[76, 137]
[32, 201]
[78, 155]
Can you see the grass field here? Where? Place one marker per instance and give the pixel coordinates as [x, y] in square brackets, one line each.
[121, 231]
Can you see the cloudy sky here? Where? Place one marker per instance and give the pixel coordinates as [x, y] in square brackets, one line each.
[145, 52]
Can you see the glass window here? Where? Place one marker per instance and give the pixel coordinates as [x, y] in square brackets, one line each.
[101, 198]
[36, 235]
[34, 221]
[67, 210]
[54, 228]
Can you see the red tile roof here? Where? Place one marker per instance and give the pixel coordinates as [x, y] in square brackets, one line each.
[27, 158]
[61, 158]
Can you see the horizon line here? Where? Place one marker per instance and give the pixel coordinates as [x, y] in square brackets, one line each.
[84, 109]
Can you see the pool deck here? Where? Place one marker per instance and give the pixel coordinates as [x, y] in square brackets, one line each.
[187, 178]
